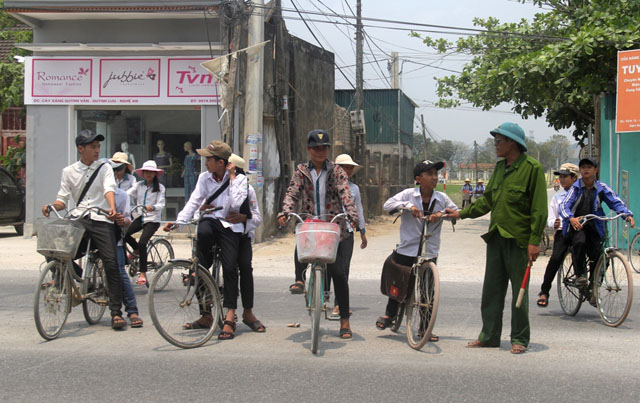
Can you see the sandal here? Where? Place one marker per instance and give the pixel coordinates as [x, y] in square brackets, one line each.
[518, 349]
[345, 333]
[543, 301]
[141, 280]
[479, 344]
[256, 326]
[433, 338]
[297, 288]
[383, 322]
[196, 325]
[228, 335]
[136, 321]
[117, 322]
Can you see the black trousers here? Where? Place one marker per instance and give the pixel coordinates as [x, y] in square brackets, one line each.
[585, 242]
[392, 304]
[560, 246]
[245, 255]
[211, 232]
[148, 229]
[336, 271]
[103, 238]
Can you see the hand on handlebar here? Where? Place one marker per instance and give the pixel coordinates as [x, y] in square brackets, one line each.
[435, 217]
[169, 226]
[631, 221]
[452, 214]
[416, 212]
[575, 223]
[282, 220]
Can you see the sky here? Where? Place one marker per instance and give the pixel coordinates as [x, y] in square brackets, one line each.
[417, 81]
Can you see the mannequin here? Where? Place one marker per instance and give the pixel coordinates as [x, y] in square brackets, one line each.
[163, 160]
[191, 169]
[124, 147]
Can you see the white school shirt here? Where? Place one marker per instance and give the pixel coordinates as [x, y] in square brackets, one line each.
[319, 188]
[553, 208]
[123, 207]
[141, 194]
[256, 219]
[231, 199]
[355, 192]
[76, 175]
[127, 181]
[411, 227]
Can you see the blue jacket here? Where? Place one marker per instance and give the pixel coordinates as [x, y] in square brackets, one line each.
[603, 194]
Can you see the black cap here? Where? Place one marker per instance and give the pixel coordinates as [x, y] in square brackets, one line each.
[425, 166]
[589, 161]
[317, 138]
[87, 136]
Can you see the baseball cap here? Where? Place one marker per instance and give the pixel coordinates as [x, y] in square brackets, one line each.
[216, 149]
[87, 136]
[317, 138]
[567, 169]
[425, 166]
[589, 161]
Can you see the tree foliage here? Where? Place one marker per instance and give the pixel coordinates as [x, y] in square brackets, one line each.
[553, 66]
[12, 72]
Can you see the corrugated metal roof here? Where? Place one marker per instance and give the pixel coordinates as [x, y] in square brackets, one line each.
[17, 6]
[381, 114]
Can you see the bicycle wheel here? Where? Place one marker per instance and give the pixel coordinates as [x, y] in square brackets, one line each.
[568, 294]
[315, 307]
[397, 321]
[634, 252]
[613, 288]
[95, 289]
[159, 253]
[52, 300]
[184, 300]
[422, 307]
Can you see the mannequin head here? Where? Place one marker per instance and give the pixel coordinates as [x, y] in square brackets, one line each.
[188, 147]
[160, 145]
[124, 147]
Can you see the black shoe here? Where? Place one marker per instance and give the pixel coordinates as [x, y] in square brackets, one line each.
[582, 280]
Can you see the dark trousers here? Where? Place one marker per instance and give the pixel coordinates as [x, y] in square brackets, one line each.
[338, 271]
[560, 247]
[392, 304]
[148, 229]
[585, 242]
[103, 238]
[211, 232]
[245, 255]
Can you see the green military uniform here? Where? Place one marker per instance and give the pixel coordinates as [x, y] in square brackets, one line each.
[517, 198]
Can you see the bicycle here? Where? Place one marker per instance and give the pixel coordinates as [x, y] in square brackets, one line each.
[189, 292]
[611, 288]
[634, 252]
[159, 252]
[546, 241]
[317, 245]
[422, 300]
[59, 287]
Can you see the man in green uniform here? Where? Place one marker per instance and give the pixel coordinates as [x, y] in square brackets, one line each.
[516, 196]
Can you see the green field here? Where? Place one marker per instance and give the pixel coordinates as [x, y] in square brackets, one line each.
[453, 191]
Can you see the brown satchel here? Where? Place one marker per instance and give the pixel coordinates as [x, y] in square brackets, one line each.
[394, 282]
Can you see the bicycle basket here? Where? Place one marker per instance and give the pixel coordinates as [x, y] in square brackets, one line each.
[317, 241]
[59, 239]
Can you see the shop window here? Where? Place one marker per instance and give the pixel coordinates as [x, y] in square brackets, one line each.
[169, 137]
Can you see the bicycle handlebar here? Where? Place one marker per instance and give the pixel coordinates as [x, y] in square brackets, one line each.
[85, 211]
[297, 217]
[195, 221]
[588, 217]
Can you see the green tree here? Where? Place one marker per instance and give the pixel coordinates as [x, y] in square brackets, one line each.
[553, 66]
[12, 72]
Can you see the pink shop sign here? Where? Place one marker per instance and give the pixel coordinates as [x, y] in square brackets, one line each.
[129, 78]
[188, 79]
[61, 78]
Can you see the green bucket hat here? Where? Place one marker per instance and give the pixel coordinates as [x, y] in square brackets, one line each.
[511, 130]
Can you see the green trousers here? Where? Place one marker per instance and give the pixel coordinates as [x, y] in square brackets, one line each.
[506, 262]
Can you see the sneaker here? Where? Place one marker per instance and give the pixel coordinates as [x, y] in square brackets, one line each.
[582, 280]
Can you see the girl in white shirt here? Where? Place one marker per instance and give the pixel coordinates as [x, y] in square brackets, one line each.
[149, 193]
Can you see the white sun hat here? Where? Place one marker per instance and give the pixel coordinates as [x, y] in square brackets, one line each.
[345, 159]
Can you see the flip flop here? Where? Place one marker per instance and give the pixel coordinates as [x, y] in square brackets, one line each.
[256, 326]
[479, 344]
[543, 301]
[118, 323]
[518, 349]
[141, 281]
[136, 322]
[383, 323]
[195, 325]
[296, 288]
[345, 333]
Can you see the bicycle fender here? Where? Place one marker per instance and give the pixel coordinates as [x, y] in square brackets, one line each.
[185, 261]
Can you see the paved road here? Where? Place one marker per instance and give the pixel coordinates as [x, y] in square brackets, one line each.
[570, 359]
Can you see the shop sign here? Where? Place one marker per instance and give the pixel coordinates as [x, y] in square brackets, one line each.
[628, 92]
[119, 81]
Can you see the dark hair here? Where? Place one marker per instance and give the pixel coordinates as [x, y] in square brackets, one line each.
[226, 162]
[156, 184]
[240, 171]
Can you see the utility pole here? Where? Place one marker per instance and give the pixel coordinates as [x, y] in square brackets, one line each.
[475, 152]
[395, 70]
[424, 134]
[252, 136]
[359, 98]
